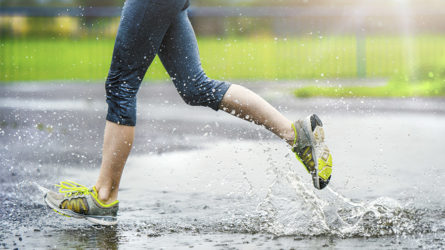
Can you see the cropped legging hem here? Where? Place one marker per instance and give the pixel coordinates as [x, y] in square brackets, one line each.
[114, 116]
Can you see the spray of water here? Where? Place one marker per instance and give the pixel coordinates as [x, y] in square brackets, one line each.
[291, 207]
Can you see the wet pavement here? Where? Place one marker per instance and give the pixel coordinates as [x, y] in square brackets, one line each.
[202, 179]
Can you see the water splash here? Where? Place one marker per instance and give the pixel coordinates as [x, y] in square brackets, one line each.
[291, 207]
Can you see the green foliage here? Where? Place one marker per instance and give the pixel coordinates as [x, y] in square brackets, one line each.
[394, 88]
[263, 58]
[230, 58]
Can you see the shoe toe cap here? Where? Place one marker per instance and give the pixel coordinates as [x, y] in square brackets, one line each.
[54, 197]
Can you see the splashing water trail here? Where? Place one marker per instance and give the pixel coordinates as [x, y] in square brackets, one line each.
[292, 207]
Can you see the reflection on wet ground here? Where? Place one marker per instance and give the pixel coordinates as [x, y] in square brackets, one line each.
[203, 179]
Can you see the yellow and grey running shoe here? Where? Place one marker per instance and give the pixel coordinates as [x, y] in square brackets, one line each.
[77, 201]
[311, 151]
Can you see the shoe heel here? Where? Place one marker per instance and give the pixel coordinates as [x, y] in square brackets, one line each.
[319, 134]
[315, 121]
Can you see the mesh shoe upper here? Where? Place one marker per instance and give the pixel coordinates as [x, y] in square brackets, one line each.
[80, 201]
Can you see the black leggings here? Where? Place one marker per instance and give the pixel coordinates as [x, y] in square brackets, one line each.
[157, 27]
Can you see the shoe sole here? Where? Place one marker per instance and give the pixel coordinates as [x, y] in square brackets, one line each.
[313, 129]
[101, 220]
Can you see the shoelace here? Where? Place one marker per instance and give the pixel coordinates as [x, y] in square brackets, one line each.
[70, 188]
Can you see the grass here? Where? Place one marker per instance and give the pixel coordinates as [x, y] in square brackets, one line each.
[232, 58]
[394, 88]
[420, 58]
[25, 59]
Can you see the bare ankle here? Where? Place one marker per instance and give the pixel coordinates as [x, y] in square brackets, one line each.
[289, 137]
[105, 195]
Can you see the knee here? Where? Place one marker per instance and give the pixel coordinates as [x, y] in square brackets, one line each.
[121, 99]
[203, 92]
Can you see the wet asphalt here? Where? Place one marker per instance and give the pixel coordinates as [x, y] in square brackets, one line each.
[204, 179]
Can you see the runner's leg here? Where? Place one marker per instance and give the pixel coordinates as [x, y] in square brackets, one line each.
[142, 28]
[180, 56]
[245, 104]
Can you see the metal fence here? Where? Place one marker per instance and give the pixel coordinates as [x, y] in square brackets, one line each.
[246, 42]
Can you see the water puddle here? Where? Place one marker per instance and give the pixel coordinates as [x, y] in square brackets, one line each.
[232, 194]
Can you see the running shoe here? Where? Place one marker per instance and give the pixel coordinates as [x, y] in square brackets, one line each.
[310, 150]
[77, 201]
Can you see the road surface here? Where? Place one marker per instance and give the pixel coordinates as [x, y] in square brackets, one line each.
[202, 179]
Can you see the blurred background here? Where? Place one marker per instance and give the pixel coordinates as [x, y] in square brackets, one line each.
[398, 43]
[200, 178]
